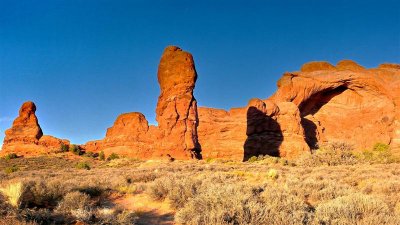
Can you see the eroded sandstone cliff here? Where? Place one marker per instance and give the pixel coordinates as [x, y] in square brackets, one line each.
[321, 103]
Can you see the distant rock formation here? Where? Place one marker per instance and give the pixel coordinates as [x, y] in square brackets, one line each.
[321, 103]
[176, 133]
[25, 137]
[347, 103]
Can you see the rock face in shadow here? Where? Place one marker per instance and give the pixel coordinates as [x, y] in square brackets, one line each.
[176, 114]
[25, 137]
[261, 128]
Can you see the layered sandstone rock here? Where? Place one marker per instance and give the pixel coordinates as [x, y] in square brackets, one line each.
[25, 137]
[320, 103]
[350, 105]
[177, 108]
[260, 128]
[176, 133]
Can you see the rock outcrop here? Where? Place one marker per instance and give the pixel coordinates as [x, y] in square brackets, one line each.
[25, 137]
[177, 108]
[176, 114]
[321, 103]
[261, 128]
[349, 104]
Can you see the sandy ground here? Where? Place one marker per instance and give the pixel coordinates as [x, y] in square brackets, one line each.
[150, 212]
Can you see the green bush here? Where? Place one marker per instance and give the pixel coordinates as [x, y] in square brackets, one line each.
[90, 154]
[10, 156]
[64, 147]
[380, 153]
[102, 156]
[380, 147]
[252, 159]
[273, 174]
[75, 149]
[83, 165]
[11, 169]
[113, 156]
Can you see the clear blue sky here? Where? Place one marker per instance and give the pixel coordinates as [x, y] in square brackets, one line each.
[85, 62]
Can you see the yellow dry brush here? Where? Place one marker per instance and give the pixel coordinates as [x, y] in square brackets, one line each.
[13, 192]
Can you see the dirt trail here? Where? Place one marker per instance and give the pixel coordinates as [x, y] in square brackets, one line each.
[149, 211]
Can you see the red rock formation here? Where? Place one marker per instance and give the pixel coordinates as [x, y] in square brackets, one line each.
[177, 108]
[261, 128]
[320, 103]
[176, 133]
[353, 105]
[221, 133]
[25, 137]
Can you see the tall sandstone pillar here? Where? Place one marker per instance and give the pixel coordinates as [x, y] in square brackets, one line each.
[177, 108]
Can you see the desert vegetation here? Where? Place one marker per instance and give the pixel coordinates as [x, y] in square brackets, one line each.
[332, 186]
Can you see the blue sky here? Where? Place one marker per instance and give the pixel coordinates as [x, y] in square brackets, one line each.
[85, 62]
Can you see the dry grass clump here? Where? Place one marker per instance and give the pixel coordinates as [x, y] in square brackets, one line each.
[13, 192]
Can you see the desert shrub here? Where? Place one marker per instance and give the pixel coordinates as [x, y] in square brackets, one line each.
[380, 153]
[11, 169]
[83, 165]
[252, 159]
[75, 149]
[43, 193]
[182, 191]
[126, 217]
[74, 200]
[127, 189]
[221, 203]
[102, 157]
[209, 160]
[159, 189]
[63, 147]
[331, 154]
[317, 190]
[272, 174]
[178, 189]
[116, 216]
[10, 156]
[90, 154]
[141, 177]
[113, 156]
[43, 216]
[354, 209]
[14, 221]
